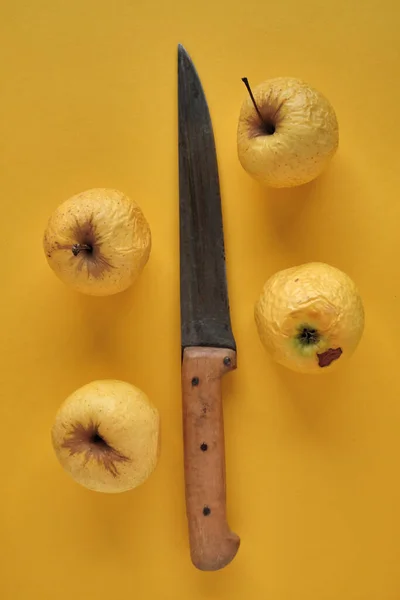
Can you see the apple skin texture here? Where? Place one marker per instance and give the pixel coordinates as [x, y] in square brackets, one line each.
[106, 436]
[305, 139]
[113, 226]
[313, 297]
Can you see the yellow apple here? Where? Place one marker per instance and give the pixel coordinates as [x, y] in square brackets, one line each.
[98, 242]
[287, 132]
[310, 318]
[106, 436]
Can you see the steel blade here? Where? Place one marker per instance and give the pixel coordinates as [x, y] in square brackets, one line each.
[205, 318]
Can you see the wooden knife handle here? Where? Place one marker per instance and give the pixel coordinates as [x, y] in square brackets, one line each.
[212, 544]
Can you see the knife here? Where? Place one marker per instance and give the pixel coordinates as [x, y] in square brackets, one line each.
[208, 345]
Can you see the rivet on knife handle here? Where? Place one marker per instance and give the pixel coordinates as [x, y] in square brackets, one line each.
[213, 545]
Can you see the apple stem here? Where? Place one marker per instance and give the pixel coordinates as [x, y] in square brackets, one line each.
[246, 83]
[76, 248]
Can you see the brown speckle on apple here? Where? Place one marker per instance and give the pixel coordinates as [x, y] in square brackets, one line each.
[88, 249]
[270, 112]
[88, 441]
[89, 239]
[326, 358]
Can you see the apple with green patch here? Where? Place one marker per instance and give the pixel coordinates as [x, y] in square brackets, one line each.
[310, 318]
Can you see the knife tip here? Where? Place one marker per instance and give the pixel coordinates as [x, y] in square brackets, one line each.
[182, 50]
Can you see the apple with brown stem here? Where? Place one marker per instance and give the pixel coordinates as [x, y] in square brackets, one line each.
[98, 241]
[287, 132]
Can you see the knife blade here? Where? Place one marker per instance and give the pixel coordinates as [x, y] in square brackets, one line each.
[208, 344]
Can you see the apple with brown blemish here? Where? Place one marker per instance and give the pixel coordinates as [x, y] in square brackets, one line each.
[106, 436]
[98, 242]
[287, 132]
[310, 318]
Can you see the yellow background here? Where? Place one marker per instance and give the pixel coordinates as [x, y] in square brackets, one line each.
[89, 99]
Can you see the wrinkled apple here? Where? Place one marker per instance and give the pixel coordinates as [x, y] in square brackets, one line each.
[106, 436]
[98, 242]
[310, 318]
[287, 132]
